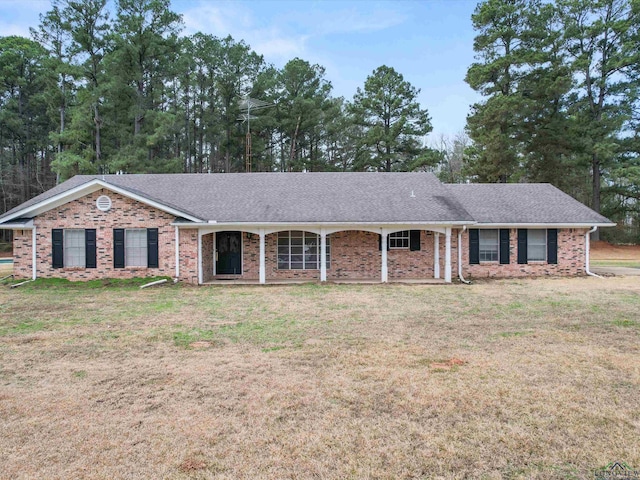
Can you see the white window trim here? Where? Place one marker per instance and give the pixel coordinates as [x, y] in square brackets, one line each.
[497, 245]
[66, 248]
[127, 248]
[402, 236]
[304, 262]
[529, 259]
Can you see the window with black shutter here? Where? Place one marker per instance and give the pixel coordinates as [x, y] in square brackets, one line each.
[57, 242]
[118, 248]
[90, 247]
[522, 245]
[504, 246]
[414, 240]
[474, 246]
[152, 247]
[552, 245]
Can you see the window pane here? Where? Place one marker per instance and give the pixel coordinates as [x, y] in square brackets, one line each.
[74, 249]
[399, 240]
[536, 245]
[488, 240]
[299, 250]
[135, 248]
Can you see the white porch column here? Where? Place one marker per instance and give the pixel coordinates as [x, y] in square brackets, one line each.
[436, 255]
[34, 254]
[263, 267]
[199, 257]
[177, 252]
[447, 257]
[385, 272]
[323, 255]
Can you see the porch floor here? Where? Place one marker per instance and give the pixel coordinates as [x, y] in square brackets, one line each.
[295, 281]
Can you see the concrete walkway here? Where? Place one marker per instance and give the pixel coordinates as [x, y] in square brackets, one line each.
[617, 271]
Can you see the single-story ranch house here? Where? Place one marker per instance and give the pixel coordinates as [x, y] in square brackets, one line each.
[268, 227]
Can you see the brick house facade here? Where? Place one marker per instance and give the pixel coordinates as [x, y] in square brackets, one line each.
[189, 246]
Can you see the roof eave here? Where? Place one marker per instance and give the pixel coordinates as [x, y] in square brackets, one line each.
[545, 224]
[84, 189]
[17, 225]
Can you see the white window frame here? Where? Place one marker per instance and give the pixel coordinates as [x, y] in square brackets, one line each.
[538, 244]
[491, 246]
[399, 240]
[74, 256]
[135, 255]
[285, 250]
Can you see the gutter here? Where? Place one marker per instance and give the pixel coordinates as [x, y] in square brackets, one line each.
[587, 242]
[460, 232]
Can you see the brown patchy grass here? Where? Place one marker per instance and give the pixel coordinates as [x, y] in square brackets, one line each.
[606, 254]
[503, 379]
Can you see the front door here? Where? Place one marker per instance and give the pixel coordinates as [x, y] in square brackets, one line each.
[229, 247]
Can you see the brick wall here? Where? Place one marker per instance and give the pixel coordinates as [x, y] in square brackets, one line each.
[207, 257]
[188, 255]
[354, 255]
[571, 251]
[124, 213]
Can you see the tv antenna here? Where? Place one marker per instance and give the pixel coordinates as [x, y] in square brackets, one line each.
[248, 105]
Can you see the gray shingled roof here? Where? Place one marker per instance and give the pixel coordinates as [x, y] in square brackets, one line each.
[291, 197]
[334, 197]
[523, 203]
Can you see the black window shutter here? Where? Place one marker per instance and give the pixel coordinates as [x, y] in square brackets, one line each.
[522, 245]
[57, 241]
[504, 246]
[380, 242]
[474, 246]
[414, 240]
[152, 247]
[118, 248]
[552, 245]
[90, 247]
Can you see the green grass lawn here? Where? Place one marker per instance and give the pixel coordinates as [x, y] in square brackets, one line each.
[502, 379]
[616, 263]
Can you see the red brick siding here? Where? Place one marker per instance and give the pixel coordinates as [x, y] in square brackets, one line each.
[188, 255]
[83, 213]
[354, 255]
[22, 254]
[571, 251]
[207, 257]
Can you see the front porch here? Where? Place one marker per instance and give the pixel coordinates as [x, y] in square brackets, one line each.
[357, 281]
[304, 254]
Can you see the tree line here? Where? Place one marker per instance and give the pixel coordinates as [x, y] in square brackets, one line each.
[114, 86]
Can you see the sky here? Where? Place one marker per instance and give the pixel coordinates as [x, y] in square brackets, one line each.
[430, 42]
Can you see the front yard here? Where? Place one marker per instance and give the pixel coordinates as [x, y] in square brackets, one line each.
[503, 379]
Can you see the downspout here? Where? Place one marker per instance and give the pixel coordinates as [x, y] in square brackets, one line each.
[460, 232]
[177, 242]
[34, 252]
[587, 243]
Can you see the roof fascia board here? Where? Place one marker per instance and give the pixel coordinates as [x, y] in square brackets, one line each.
[17, 226]
[90, 187]
[227, 225]
[543, 225]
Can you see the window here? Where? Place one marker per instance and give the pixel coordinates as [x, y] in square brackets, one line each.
[299, 250]
[74, 248]
[536, 245]
[488, 245]
[399, 240]
[135, 247]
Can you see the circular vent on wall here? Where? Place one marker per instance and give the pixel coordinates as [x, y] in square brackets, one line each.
[103, 203]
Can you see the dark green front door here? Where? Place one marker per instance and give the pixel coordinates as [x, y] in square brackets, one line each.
[229, 247]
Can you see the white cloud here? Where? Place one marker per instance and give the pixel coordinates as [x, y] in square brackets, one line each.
[354, 21]
[231, 19]
[9, 29]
